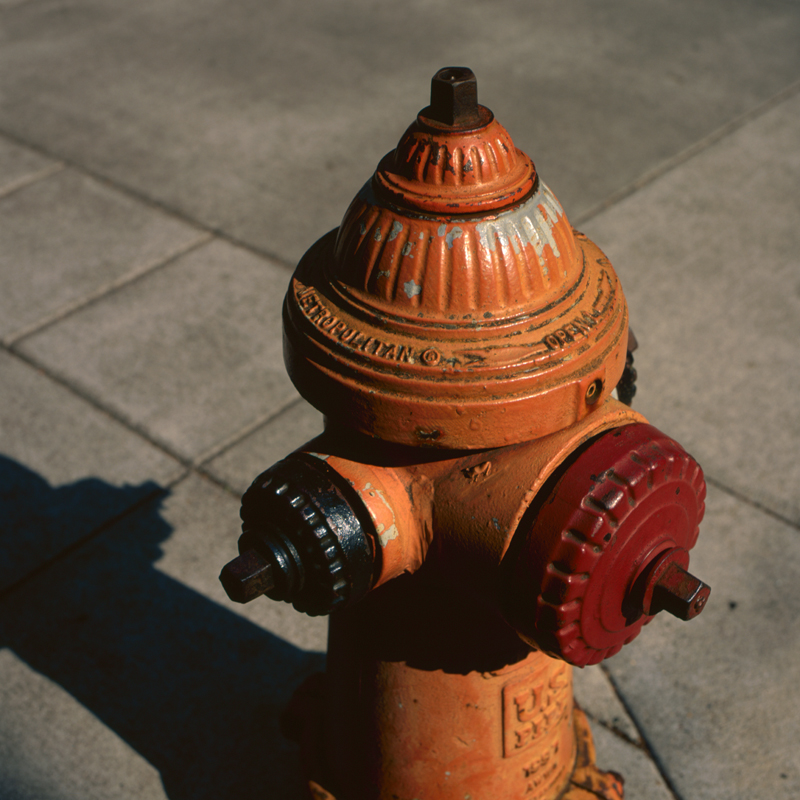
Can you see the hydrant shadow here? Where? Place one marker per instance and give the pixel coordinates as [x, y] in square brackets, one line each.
[192, 687]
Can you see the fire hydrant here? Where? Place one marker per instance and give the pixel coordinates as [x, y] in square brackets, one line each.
[480, 514]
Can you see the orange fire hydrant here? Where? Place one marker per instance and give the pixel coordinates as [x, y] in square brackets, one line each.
[480, 513]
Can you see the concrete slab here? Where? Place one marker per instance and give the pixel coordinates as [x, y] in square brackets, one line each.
[708, 260]
[240, 465]
[596, 695]
[69, 238]
[206, 527]
[264, 119]
[53, 748]
[190, 686]
[191, 353]
[20, 166]
[57, 456]
[717, 698]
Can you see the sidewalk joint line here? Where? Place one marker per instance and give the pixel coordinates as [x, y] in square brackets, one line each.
[101, 292]
[141, 197]
[122, 419]
[30, 179]
[235, 438]
[645, 745]
[83, 540]
[688, 153]
[751, 502]
[620, 734]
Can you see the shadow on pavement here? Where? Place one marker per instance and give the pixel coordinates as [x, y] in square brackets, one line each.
[194, 688]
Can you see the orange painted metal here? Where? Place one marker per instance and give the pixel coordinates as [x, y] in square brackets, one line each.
[463, 341]
[472, 502]
[430, 694]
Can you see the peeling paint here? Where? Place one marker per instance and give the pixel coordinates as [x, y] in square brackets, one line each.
[411, 288]
[397, 228]
[407, 248]
[454, 234]
[377, 234]
[385, 535]
[388, 535]
[441, 230]
[531, 223]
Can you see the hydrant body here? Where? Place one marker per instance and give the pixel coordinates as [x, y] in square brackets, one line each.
[480, 514]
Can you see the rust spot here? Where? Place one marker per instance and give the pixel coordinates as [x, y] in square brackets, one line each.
[478, 471]
[428, 436]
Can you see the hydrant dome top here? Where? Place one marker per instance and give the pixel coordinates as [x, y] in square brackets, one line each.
[455, 223]
[455, 158]
[455, 306]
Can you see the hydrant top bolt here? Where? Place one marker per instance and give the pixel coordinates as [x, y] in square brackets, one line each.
[454, 98]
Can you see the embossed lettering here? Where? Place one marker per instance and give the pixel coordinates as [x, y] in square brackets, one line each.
[534, 709]
[580, 326]
[320, 316]
[524, 736]
[527, 703]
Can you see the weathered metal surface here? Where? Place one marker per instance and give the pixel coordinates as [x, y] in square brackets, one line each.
[472, 502]
[587, 782]
[436, 697]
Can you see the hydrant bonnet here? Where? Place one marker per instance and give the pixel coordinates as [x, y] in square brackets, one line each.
[455, 306]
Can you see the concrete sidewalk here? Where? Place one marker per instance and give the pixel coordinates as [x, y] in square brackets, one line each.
[163, 165]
